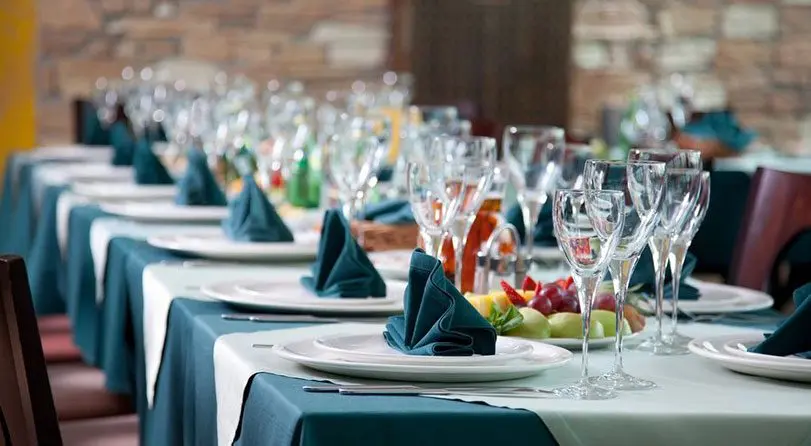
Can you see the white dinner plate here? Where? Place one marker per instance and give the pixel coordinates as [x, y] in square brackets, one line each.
[71, 153]
[289, 288]
[543, 357]
[220, 247]
[373, 348]
[166, 212]
[713, 349]
[739, 346]
[123, 191]
[227, 292]
[577, 344]
[720, 298]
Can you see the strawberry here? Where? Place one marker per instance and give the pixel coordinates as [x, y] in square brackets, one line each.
[528, 284]
[569, 282]
[538, 288]
[515, 298]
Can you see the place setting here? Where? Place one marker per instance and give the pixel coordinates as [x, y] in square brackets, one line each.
[342, 281]
[784, 354]
[438, 338]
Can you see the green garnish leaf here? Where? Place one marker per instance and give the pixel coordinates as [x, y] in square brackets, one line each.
[504, 320]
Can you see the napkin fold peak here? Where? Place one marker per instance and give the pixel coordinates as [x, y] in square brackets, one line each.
[252, 218]
[437, 319]
[198, 187]
[342, 268]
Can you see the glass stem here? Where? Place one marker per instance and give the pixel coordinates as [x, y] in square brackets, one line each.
[621, 270]
[678, 252]
[359, 201]
[586, 289]
[434, 244]
[660, 248]
[530, 210]
[461, 228]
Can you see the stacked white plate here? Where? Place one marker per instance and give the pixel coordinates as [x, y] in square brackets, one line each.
[286, 294]
[732, 353]
[368, 356]
[717, 298]
[166, 212]
[122, 191]
[220, 247]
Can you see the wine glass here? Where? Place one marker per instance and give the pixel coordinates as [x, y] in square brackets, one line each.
[678, 252]
[641, 183]
[433, 187]
[588, 226]
[678, 199]
[573, 164]
[470, 163]
[533, 156]
[353, 158]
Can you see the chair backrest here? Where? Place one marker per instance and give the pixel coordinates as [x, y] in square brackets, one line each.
[778, 210]
[26, 401]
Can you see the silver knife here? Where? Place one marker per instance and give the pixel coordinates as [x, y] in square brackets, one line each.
[292, 318]
[418, 390]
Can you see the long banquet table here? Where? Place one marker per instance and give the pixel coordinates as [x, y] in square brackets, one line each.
[119, 330]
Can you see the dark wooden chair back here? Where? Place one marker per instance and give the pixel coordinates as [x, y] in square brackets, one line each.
[777, 212]
[26, 400]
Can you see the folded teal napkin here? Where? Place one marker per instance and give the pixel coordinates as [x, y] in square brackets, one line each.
[793, 336]
[123, 144]
[437, 320]
[148, 168]
[544, 229]
[721, 126]
[342, 268]
[252, 218]
[645, 276]
[198, 187]
[93, 132]
[389, 212]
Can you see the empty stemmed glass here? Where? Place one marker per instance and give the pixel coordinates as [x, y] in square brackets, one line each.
[588, 225]
[353, 158]
[678, 199]
[678, 252]
[573, 164]
[533, 156]
[470, 163]
[433, 192]
[641, 183]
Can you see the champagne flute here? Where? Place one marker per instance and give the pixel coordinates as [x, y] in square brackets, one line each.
[353, 158]
[588, 226]
[471, 161]
[533, 155]
[641, 182]
[433, 195]
[678, 199]
[678, 252]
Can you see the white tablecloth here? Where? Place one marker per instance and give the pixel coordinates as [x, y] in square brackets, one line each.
[103, 230]
[697, 402]
[162, 283]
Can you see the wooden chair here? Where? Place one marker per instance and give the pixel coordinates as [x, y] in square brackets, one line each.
[777, 212]
[26, 402]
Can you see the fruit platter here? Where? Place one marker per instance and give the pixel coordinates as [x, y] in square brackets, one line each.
[551, 312]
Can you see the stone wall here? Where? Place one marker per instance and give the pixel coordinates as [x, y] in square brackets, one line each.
[326, 43]
[754, 55]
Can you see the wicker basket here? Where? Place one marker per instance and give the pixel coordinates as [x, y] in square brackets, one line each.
[379, 237]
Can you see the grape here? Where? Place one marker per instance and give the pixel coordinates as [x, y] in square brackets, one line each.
[569, 304]
[541, 304]
[604, 301]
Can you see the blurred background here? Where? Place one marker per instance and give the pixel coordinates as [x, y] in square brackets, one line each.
[528, 61]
